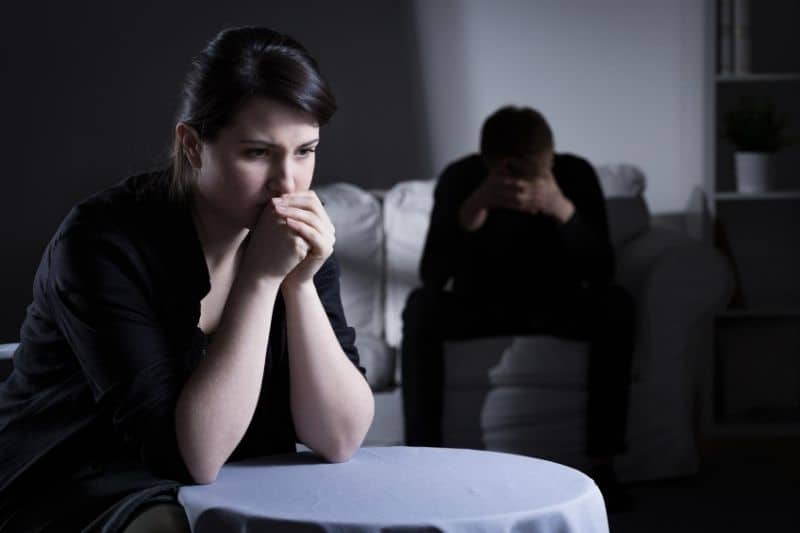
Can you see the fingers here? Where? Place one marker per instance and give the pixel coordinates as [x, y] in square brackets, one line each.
[527, 195]
[308, 217]
[514, 193]
[318, 244]
[307, 201]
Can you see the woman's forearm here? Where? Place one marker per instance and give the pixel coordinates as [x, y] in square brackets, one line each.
[217, 402]
[332, 404]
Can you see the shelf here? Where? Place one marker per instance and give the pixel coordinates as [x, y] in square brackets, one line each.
[746, 78]
[731, 196]
[754, 429]
[760, 313]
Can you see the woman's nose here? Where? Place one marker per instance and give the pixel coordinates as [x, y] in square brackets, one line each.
[281, 179]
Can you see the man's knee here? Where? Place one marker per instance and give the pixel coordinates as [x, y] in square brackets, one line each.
[620, 304]
[423, 305]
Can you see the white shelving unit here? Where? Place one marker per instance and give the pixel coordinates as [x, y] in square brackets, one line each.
[756, 197]
[760, 313]
[760, 77]
[756, 371]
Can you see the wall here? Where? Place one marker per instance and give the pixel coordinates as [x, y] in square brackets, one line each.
[618, 80]
[89, 91]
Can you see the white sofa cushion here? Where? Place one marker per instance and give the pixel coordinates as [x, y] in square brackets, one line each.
[7, 350]
[627, 218]
[519, 361]
[621, 180]
[623, 187]
[517, 394]
[356, 214]
[406, 215]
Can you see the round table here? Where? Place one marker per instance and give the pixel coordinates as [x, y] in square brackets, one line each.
[397, 489]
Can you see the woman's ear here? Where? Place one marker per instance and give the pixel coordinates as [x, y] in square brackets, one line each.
[190, 144]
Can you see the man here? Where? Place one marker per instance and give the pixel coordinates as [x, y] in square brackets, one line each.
[522, 235]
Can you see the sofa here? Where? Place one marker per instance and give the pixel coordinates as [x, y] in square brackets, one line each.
[527, 394]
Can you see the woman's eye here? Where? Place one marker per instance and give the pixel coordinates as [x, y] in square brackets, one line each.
[305, 152]
[256, 152]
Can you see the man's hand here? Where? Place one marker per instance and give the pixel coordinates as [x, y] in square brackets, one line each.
[541, 194]
[528, 194]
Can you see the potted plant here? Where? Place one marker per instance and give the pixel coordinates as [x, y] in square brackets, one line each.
[756, 130]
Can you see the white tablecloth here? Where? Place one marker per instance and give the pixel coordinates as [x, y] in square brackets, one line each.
[396, 489]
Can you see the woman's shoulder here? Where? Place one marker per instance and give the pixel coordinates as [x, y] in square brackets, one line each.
[134, 203]
[129, 223]
[140, 190]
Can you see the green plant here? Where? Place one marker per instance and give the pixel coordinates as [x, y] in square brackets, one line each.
[756, 126]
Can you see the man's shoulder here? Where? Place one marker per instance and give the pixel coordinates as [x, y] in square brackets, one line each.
[463, 172]
[471, 162]
[574, 172]
[569, 161]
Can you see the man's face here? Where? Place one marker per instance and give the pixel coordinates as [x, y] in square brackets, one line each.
[528, 168]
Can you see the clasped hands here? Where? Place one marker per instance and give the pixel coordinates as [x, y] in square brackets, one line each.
[534, 194]
[529, 194]
[293, 237]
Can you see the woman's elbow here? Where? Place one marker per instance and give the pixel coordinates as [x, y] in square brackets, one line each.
[344, 446]
[340, 456]
[342, 451]
[203, 474]
[202, 465]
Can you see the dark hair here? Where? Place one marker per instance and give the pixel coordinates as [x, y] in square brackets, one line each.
[239, 64]
[515, 132]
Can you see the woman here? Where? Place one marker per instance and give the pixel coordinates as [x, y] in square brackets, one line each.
[119, 394]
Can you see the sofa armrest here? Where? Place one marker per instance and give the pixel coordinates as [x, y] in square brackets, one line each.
[675, 281]
[7, 350]
[6, 361]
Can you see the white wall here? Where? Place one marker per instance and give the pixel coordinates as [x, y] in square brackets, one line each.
[618, 80]
[415, 79]
[90, 91]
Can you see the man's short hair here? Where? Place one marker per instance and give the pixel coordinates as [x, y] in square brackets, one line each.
[515, 132]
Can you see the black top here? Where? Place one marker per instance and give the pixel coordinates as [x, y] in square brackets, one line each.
[515, 258]
[106, 346]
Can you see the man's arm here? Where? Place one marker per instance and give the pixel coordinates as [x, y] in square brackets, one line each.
[585, 233]
[445, 236]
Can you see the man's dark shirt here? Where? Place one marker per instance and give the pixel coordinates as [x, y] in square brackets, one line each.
[107, 344]
[516, 260]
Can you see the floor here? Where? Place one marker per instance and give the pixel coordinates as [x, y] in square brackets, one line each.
[745, 484]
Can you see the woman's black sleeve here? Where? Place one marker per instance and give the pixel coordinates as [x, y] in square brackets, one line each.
[101, 298]
[326, 280]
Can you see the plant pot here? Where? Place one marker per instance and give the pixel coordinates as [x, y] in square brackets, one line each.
[754, 171]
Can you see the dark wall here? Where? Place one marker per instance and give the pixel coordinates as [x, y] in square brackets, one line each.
[89, 93]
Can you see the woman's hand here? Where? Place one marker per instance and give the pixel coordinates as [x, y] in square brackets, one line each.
[307, 219]
[275, 249]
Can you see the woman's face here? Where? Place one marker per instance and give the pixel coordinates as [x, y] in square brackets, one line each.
[266, 151]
